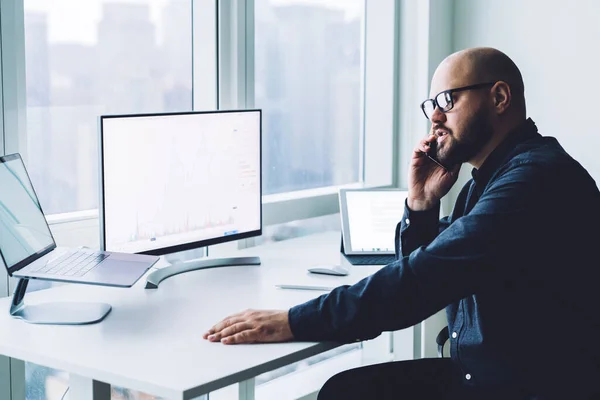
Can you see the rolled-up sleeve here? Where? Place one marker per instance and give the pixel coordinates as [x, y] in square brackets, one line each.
[457, 262]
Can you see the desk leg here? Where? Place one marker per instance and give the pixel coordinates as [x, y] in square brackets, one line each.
[246, 389]
[17, 379]
[5, 377]
[82, 388]
[12, 378]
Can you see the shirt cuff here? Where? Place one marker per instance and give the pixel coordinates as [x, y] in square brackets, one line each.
[305, 321]
[419, 218]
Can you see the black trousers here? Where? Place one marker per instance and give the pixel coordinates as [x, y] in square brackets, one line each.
[433, 378]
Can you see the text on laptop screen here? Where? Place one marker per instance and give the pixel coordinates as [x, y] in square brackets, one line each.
[172, 180]
[23, 228]
[372, 218]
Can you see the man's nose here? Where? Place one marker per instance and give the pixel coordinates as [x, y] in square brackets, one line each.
[438, 115]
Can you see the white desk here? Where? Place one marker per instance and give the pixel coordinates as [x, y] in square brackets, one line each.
[151, 341]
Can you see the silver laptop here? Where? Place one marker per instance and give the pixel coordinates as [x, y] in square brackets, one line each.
[369, 219]
[29, 250]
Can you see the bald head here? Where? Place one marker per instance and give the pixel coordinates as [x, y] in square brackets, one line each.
[486, 102]
[484, 64]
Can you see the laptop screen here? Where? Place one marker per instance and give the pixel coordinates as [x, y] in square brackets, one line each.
[24, 232]
[369, 219]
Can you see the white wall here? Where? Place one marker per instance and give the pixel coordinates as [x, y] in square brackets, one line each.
[555, 45]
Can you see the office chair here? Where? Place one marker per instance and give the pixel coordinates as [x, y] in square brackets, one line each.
[441, 339]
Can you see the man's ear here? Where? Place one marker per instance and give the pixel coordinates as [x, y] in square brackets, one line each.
[502, 96]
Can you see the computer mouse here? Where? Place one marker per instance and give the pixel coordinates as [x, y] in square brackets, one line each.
[336, 270]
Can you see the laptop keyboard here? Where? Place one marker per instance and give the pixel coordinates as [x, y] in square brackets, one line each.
[75, 264]
[371, 260]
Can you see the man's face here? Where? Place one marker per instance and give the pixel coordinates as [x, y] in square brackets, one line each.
[463, 131]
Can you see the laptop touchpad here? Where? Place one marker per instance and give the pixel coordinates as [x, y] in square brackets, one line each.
[116, 272]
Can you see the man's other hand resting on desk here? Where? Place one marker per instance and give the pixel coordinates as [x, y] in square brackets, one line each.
[252, 326]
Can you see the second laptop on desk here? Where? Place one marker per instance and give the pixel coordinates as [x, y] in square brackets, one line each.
[369, 219]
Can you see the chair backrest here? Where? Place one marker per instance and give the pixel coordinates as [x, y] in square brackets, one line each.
[441, 339]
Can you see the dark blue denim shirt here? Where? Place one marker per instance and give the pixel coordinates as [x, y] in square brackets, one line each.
[516, 265]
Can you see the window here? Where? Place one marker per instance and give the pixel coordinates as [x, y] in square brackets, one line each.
[84, 59]
[308, 78]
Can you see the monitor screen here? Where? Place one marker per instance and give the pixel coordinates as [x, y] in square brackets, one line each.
[24, 232]
[172, 182]
[369, 219]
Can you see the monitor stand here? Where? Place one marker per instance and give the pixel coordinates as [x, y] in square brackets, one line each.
[156, 277]
[58, 313]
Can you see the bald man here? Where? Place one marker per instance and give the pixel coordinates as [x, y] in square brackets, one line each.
[514, 264]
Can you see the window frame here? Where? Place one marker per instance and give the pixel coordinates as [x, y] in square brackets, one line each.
[3, 273]
[12, 86]
[12, 135]
[233, 75]
[4, 361]
[235, 89]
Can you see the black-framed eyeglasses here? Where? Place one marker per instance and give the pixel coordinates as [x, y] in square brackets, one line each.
[445, 100]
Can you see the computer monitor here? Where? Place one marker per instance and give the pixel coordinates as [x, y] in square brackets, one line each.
[177, 181]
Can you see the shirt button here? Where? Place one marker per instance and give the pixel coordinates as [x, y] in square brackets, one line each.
[407, 221]
[468, 377]
[454, 335]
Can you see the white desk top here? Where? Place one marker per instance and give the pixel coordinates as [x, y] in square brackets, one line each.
[152, 339]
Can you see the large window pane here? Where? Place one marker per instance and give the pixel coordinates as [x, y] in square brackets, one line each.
[93, 57]
[308, 82]
[84, 59]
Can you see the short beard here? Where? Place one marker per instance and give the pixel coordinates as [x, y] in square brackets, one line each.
[476, 134]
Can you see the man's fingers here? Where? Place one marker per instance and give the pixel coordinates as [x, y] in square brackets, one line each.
[223, 324]
[252, 326]
[420, 150]
[424, 145]
[247, 336]
[232, 319]
[233, 329]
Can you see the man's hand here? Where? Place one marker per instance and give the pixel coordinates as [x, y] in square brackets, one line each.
[252, 326]
[427, 181]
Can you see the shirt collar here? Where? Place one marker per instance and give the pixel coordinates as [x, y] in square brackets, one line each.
[523, 132]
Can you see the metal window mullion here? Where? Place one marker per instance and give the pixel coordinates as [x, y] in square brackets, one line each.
[4, 361]
[14, 139]
[379, 107]
[12, 33]
[396, 158]
[249, 53]
[234, 32]
[12, 43]
[204, 54]
[236, 60]
[363, 89]
[2, 144]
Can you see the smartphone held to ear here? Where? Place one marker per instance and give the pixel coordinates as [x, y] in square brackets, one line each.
[432, 154]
